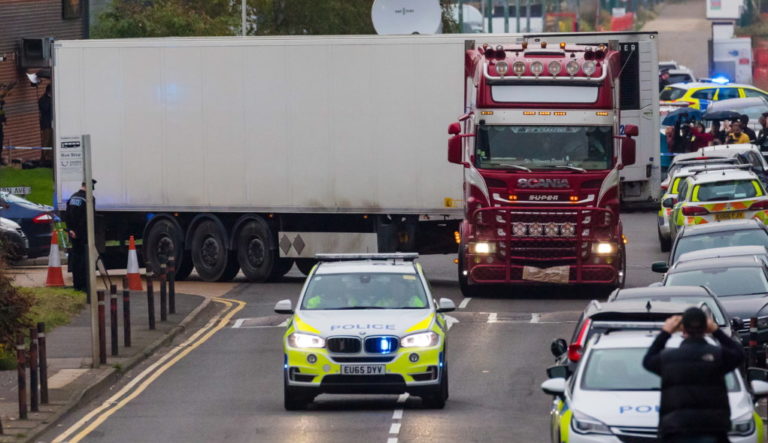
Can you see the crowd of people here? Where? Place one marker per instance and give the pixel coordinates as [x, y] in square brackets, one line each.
[690, 136]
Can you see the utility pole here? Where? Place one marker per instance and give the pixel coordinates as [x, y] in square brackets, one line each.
[490, 16]
[461, 16]
[517, 15]
[91, 254]
[506, 16]
[243, 8]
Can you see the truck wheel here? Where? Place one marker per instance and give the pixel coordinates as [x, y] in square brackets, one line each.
[281, 267]
[209, 252]
[185, 266]
[255, 251]
[163, 239]
[305, 265]
[622, 279]
[466, 289]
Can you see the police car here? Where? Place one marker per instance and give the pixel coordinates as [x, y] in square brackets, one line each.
[365, 323]
[613, 399]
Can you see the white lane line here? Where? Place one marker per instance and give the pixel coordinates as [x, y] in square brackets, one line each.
[395, 428]
[464, 303]
[284, 323]
[392, 440]
[450, 321]
[398, 414]
[238, 323]
[493, 317]
[535, 317]
[402, 398]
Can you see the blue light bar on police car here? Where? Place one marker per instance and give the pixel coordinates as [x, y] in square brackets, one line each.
[405, 256]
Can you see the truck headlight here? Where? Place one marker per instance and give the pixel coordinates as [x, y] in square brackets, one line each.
[584, 424]
[744, 425]
[762, 323]
[483, 248]
[299, 340]
[604, 248]
[420, 340]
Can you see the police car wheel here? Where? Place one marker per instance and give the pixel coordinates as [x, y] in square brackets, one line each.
[437, 399]
[255, 250]
[294, 399]
[665, 244]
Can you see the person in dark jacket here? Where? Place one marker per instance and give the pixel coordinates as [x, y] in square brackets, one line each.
[45, 106]
[762, 136]
[744, 120]
[77, 225]
[694, 396]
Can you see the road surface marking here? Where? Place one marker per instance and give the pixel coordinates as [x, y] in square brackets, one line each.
[238, 323]
[395, 428]
[402, 398]
[398, 414]
[493, 317]
[114, 403]
[464, 303]
[450, 321]
[535, 317]
[392, 440]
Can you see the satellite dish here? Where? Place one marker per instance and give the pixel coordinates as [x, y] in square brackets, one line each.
[406, 16]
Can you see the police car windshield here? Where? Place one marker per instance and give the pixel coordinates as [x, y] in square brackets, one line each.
[745, 237]
[724, 282]
[621, 369]
[671, 93]
[544, 147]
[364, 291]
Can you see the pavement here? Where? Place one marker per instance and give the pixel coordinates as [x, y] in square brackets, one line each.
[71, 378]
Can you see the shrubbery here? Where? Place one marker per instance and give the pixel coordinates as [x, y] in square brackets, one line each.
[15, 306]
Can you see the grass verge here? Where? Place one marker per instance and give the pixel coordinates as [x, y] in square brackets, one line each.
[39, 179]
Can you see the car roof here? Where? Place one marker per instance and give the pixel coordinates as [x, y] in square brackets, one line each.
[623, 339]
[366, 266]
[715, 152]
[720, 263]
[728, 251]
[723, 226]
[704, 85]
[661, 291]
[737, 102]
[633, 307]
[722, 175]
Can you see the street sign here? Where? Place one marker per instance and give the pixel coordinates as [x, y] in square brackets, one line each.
[71, 159]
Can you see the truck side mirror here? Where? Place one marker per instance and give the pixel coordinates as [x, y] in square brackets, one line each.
[631, 130]
[628, 150]
[454, 128]
[454, 149]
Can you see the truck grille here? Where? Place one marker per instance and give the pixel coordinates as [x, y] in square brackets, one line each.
[344, 345]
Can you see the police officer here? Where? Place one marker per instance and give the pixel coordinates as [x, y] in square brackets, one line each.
[77, 224]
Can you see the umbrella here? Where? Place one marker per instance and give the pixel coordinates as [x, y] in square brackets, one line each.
[722, 115]
[681, 115]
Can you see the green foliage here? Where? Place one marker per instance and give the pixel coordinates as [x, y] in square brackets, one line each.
[39, 179]
[299, 17]
[15, 306]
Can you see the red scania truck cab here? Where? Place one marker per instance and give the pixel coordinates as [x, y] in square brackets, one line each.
[541, 152]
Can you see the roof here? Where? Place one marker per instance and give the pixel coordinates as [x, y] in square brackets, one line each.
[604, 311]
[624, 339]
[723, 226]
[696, 85]
[729, 251]
[721, 263]
[723, 175]
[662, 291]
[366, 266]
[727, 150]
[737, 103]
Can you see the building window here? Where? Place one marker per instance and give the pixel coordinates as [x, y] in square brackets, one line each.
[71, 8]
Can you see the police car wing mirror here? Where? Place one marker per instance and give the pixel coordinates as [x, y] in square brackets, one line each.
[660, 267]
[558, 347]
[284, 307]
[446, 305]
[759, 389]
[669, 202]
[558, 371]
[554, 386]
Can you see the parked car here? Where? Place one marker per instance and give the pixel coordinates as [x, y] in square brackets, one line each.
[700, 95]
[753, 107]
[35, 219]
[681, 75]
[13, 242]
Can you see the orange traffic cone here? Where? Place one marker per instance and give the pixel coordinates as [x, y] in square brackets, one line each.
[132, 275]
[55, 276]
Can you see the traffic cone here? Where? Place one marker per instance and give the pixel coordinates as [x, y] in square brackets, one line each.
[55, 276]
[132, 275]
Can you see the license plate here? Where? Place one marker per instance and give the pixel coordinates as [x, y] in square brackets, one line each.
[729, 216]
[363, 370]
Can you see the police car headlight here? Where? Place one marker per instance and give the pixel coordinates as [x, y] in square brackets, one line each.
[299, 340]
[584, 424]
[603, 248]
[420, 340]
[744, 425]
[483, 248]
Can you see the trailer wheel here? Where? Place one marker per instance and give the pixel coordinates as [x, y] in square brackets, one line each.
[305, 265]
[281, 267]
[622, 278]
[209, 252]
[255, 251]
[163, 239]
[185, 266]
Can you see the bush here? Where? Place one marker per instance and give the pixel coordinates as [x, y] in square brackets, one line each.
[15, 307]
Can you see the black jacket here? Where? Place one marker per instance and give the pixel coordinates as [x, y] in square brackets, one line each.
[45, 106]
[694, 397]
[76, 215]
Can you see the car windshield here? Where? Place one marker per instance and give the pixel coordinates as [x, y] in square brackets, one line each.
[365, 291]
[691, 301]
[745, 237]
[621, 369]
[724, 282]
[726, 190]
[671, 94]
[544, 147]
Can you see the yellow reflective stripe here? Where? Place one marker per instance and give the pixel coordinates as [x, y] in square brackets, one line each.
[759, 426]
[302, 326]
[565, 425]
[695, 194]
[675, 185]
[424, 324]
[758, 188]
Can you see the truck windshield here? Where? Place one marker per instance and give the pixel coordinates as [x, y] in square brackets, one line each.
[543, 147]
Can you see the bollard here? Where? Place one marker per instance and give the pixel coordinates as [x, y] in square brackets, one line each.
[150, 302]
[102, 327]
[163, 294]
[113, 319]
[172, 285]
[34, 393]
[42, 363]
[21, 359]
[126, 318]
[753, 358]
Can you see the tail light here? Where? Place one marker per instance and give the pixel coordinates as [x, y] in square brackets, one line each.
[761, 205]
[576, 349]
[694, 210]
[664, 187]
[43, 218]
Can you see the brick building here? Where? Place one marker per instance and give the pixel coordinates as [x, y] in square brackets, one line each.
[60, 19]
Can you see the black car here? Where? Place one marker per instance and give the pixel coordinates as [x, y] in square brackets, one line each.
[740, 283]
[35, 220]
[715, 235]
[13, 242]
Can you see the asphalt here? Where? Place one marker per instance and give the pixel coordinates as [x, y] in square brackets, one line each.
[230, 387]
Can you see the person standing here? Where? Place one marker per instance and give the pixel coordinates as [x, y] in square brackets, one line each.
[694, 397]
[744, 120]
[77, 224]
[736, 136]
[762, 136]
[45, 106]
[663, 80]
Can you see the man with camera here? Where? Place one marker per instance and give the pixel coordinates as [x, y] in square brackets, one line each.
[694, 396]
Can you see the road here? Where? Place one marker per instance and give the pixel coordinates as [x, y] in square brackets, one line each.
[230, 387]
[683, 34]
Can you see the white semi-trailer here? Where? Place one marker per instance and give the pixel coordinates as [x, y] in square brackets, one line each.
[254, 153]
